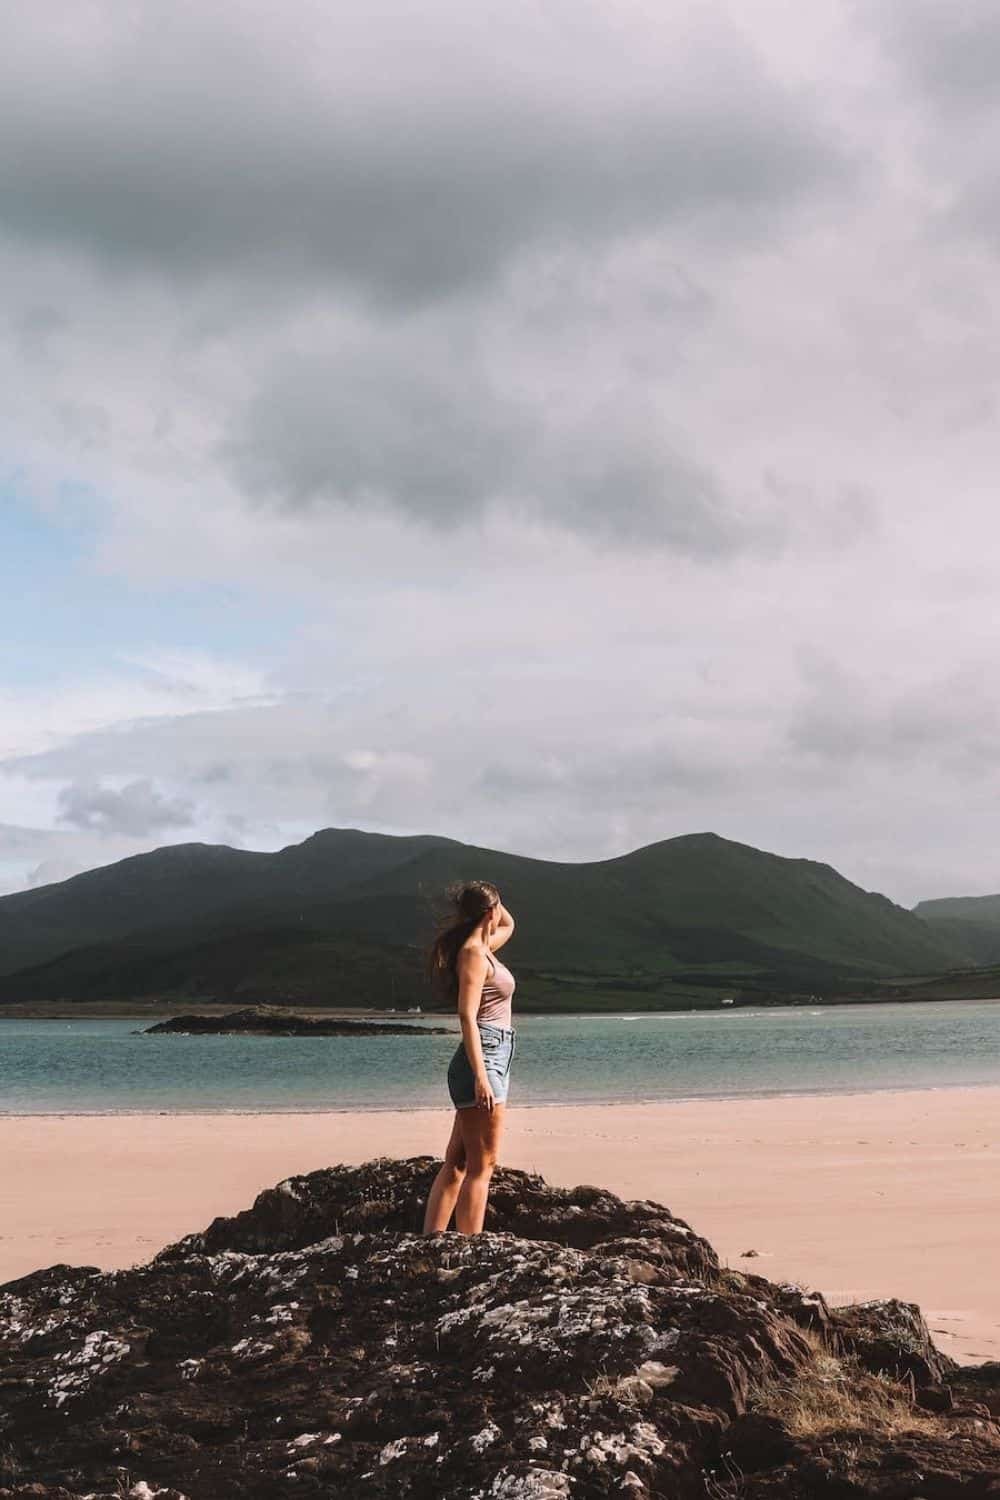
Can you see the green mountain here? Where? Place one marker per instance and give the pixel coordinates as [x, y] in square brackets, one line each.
[978, 909]
[968, 922]
[343, 917]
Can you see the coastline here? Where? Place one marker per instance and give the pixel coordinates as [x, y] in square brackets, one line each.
[522, 1104]
[129, 1010]
[860, 1195]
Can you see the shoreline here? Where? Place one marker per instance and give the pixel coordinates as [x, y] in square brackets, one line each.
[198, 1112]
[859, 1195]
[50, 1010]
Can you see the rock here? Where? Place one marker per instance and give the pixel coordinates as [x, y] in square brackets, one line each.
[272, 1020]
[979, 1383]
[391, 1195]
[892, 1336]
[936, 1397]
[807, 1309]
[317, 1345]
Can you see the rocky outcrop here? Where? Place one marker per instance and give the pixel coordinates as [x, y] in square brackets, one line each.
[582, 1347]
[389, 1194]
[265, 1020]
[892, 1336]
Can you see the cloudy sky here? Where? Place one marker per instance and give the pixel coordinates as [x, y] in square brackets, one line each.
[556, 425]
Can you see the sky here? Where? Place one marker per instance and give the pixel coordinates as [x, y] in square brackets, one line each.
[556, 426]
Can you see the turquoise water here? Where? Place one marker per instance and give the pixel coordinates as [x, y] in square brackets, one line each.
[85, 1067]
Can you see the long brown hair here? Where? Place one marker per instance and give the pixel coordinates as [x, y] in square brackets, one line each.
[469, 901]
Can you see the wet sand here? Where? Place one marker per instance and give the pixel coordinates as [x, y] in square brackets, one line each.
[865, 1195]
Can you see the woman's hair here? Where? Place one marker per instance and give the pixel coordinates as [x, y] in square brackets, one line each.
[469, 902]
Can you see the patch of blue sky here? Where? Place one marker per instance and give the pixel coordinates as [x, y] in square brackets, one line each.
[61, 618]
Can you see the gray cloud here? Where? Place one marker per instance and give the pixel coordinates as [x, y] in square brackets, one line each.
[951, 720]
[83, 425]
[408, 159]
[34, 328]
[215, 772]
[584, 414]
[371, 763]
[952, 53]
[442, 442]
[847, 518]
[372, 427]
[949, 59]
[137, 809]
[627, 784]
[538, 209]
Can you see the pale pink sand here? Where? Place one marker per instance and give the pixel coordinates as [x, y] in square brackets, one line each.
[867, 1195]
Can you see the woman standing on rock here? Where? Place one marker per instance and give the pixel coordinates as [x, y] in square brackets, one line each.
[479, 1071]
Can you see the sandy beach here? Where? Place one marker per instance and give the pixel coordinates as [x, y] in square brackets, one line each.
[866, 1195]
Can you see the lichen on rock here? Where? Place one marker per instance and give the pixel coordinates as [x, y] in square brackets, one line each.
[582, 1347]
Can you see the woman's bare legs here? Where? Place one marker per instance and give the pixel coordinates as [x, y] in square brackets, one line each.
[482, 1130]
[445, 1187]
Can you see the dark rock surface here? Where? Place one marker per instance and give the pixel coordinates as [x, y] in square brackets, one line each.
[263, 1020]
[582, 1347]
[892, 1336]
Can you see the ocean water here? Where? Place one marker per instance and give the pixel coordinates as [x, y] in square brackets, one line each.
[105, 1066]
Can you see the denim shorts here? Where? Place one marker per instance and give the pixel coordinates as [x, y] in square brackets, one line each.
[498, 1049]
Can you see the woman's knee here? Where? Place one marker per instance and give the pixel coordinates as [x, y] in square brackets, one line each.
[483, 1162]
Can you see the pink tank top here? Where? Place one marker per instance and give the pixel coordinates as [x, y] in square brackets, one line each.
[494, 1003]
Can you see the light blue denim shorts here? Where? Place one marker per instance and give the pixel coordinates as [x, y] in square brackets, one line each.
[498, 1043]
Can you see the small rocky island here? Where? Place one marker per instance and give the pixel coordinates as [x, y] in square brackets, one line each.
[582, 1348]
[271, 1020]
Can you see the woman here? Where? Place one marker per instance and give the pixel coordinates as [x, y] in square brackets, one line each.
[479, 1071]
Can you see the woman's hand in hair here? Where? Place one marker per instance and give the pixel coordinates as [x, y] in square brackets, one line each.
[503, 930]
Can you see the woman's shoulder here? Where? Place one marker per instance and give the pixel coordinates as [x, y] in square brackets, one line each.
[476, 950]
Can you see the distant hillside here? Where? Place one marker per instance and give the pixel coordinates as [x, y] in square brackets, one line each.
[342, 918]
[968, 922]
[979, 909]
[184, 883]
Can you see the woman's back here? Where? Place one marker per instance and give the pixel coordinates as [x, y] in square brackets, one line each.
[498, 989]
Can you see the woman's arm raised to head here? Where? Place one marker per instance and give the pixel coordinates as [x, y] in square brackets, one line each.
[505, 928]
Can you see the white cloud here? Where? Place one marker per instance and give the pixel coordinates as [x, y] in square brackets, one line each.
[618, 426]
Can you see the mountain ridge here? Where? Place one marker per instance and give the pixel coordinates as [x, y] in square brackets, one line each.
[345, 911]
